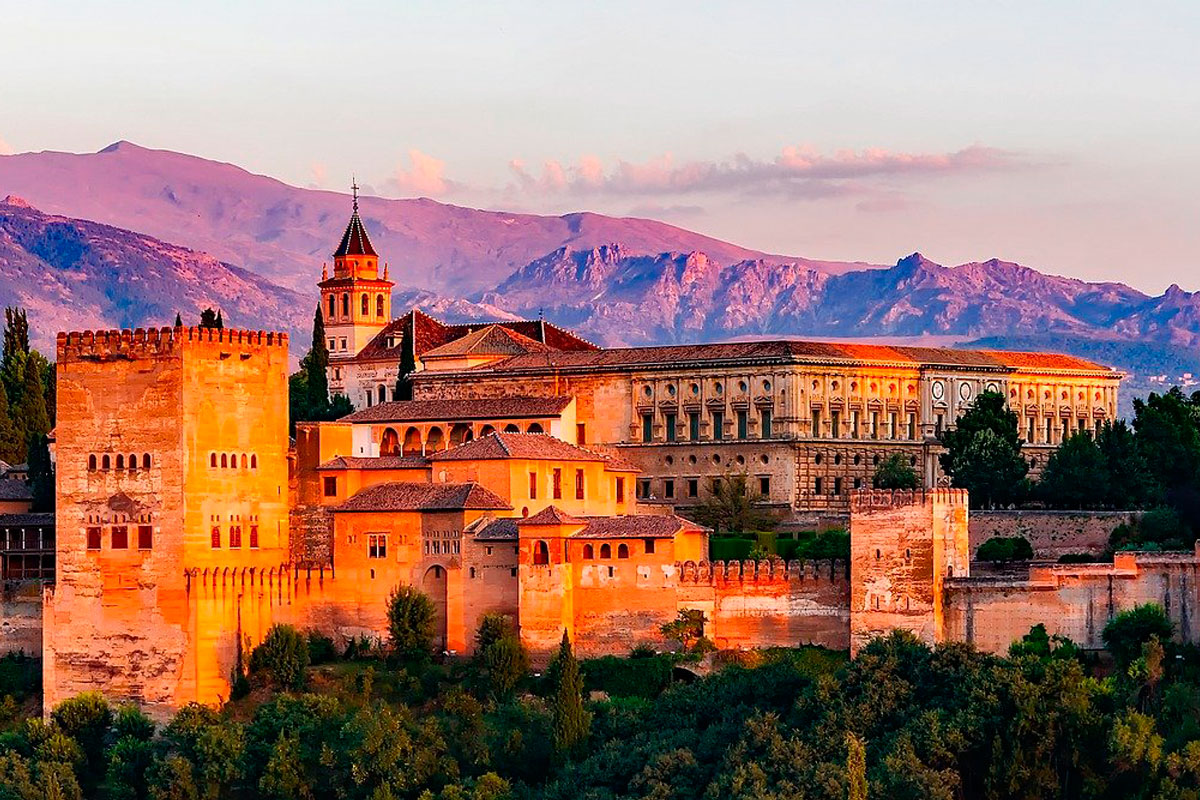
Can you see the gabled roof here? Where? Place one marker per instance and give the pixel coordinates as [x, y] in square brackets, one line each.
[411, 496]
[452, 410]
[636, 527]
[489, 528]
[491, 340]
[501, 446]
[551, 515]
[11, 489]
[382, 462]
[355, 241]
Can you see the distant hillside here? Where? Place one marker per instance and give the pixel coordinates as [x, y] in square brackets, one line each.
[74, 274]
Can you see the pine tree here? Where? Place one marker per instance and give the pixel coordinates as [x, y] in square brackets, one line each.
[316, 370]
[571, 721]
[11, 445]
[983, 452]
[178, 320]
[220, 319]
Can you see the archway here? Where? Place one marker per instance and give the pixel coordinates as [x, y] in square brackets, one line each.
[435, 440]
[382, 393]
[460, 434]
[487, 430]
[434, 586]
[535, 428]
[412, 442]
[511, 428]
[389, 445]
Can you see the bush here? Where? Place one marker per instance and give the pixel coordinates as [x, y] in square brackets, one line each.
[499, 651]
[628, 677]
[281, 657]
[1125, 633]
[410, 623]
[729, 548]
[1005, 548]
[321, 649]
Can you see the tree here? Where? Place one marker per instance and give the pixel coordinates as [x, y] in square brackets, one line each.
[211, 319]
[856, 768]
[16, 353]
[733, 506]
[178, 320]
[1125, 633]
[315, 366]
[498, 650]
[281, 657]
[1076, 474]
[571, 722]
[408, 365]
[86, 719]
[687, 628]
[41, 473]
[49, 387]
[894, 472]
[983, 451]
[31, 410]
[1005, 548]
[11, 445]
[410, 622]
[1130, 482]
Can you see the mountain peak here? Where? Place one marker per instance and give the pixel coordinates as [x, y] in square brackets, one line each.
[120, 145]
[17, 202]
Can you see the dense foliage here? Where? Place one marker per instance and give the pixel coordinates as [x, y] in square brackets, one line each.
[26, 402]
[895, 472]
[308, 389]
[1005, 548]
[983, 453]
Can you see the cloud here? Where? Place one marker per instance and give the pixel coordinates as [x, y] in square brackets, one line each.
[5, 150]
[319, 174]
[797, 172]
[426, 176]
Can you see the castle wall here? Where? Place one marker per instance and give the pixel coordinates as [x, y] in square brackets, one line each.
[490, 582]
[21, 618]
[1052, 533]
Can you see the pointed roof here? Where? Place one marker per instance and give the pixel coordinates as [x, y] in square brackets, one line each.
[551, 515]
[355, 241]
[491, 340]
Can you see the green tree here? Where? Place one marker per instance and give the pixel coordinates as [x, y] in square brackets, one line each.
[211, 319]
[1168, 436]
[41, 473]
[31, 410]
[983, 453]
[856, 768]
[895, 472]
[408, 364]
[11, 449]
[687, 628]
[281, 656]
[1076, 474]
[1125, 633]
[571, 722]
[500, 653]
[15, 354]
[733, 506]
[178, 320]
[1005, 548]
[410, 622]
[49, 385]
[1130, 482]
[315, 366]
[86, 719]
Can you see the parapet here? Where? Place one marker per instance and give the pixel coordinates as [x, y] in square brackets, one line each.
[773, 570]
[866, 500]
[130, 345]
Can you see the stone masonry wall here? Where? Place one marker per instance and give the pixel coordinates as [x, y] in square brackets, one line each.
[1052, 533]
[21, 618]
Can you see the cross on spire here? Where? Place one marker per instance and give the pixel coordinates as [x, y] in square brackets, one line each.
[354, 190]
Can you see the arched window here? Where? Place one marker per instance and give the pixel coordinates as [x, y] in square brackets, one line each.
[145, 461]
[536, 428]
[92, 462]
[253, 461]
[133, 460]
[366, 306]
[606, 551]
[104, 462]
[541, 553]
[332, 307]
[389, 444]
[412, 442]
[244, 461]
[345, 304]
[434, 441]
[511, 428]
[486, 430]
[212, 460]
[233, 460]
[382, 390]
[379, 306]
[622, 550]
[224, 460]
[588, 552]
[120, 461]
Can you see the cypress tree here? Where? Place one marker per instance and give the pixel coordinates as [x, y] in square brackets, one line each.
[16, 353]
[220, 319]
[408, 365]
[316, 370]
[41, 473]
[10, 440]
[856, 768]
[178, 320]
[31, 417]
[50, 390]
[571, 721]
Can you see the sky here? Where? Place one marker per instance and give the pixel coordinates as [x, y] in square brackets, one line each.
[1063, 135]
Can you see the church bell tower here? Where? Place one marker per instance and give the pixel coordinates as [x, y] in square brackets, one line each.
[356, 301]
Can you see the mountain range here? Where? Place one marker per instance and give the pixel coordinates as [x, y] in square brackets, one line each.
[209, 233]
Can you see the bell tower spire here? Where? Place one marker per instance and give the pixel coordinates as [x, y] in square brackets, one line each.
[356, 300]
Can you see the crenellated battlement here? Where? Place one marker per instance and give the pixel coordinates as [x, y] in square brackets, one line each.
[126, 344]
[774, 570]
[866, 500]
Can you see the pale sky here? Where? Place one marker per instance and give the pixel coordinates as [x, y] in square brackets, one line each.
[1062, 135]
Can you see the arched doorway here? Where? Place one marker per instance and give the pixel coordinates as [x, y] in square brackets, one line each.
[382, 393]
[389, 445]
[512, 428]
[412, 442]
[486, 430]
[434, 586]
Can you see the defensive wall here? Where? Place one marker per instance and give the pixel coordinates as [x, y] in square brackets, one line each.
[21, 617]
[1052, 533]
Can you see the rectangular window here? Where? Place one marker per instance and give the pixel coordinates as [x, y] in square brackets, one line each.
[816, 423]
[1049, 431]
[853, 424]
[670, 427]
[743, 423]
[669, 489]
[145, 537]
[912, 426]
[874, 424]
[93, 538]
[837, 486]
[693, 488]
[940, 424]
[580, 433]
[764, 486]
[557, 483]
[817, 485]
[253, 536]
[377, 545]
[120, 537]
[235, 535]
[649, 545]
[647, 427]
[331, 487]
[643, 488]
[332, 344]
[718, 420]
[1030, 430]
[343, 344]
[835, 423]
[893, 426]
[765, 420]
[694, 426]
[620, 490]
[533, 486]
[578, 484]
[216, 536]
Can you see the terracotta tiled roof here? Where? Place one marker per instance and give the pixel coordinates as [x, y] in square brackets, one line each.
[448, 410]
[355, 241]
[492, 340]
[786, 351]
[493, 529]
[551, 515]
[382, 462]
[534, 446]
[406, 496]
[635, 527]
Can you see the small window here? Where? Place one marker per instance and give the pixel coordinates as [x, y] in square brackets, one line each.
[92, 462]
[379, 308]
[620, 490]
[253, 536]
[331, 486]
[817, 485]
[541, 553]
[622, 550]
[132, 461]
[533, 486]
[233, 460]
[365, 306]
[606, 551]
[120, 461]
[345, 305]
[472, 572]
[588, 552]
[578, 484]
[93, 538]
[377, 546]
[557, 483]
[120, 537]
[212, 459]
[245, 461]
[649, 545]
[580, 433]
[105, 463]
[235, 535]
[224, 460]
[693, 487]
[669, 489]
[145, 461]
[764, 485]
[513, 572]
[253, 461]
[332, 307]
[647, 427]
[216, 537]
[145, 537]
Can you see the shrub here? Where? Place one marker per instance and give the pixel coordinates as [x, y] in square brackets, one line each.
[895, 473]
[281, 657]
[1125, 633]
[1077, 558]
[499, 651]
[321, 649]
[1005, 548]
[410, 622]
[646, 676]
[687, 628]
[729, 548]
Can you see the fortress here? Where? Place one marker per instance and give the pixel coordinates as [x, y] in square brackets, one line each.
[534, 474]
